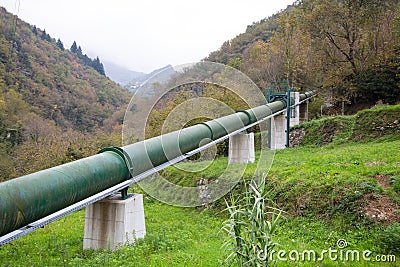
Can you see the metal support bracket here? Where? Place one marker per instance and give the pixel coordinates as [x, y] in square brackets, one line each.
[124, 193]
[128, 162]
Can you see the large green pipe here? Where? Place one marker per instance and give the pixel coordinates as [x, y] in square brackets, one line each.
[31, 197]
[34, 196]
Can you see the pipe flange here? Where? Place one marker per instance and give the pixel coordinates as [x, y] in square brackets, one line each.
[122, 153]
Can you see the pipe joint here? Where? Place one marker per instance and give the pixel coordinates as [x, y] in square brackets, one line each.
[122, 153]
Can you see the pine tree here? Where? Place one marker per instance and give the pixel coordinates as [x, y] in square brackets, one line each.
[79, 52]
[44, 35]
[60, 44]
[98, 66]
[35, 30]
[87, 61]
[74, 47]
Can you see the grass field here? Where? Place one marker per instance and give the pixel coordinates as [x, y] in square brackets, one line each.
[326, 192]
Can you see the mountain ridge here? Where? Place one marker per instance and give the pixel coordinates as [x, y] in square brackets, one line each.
[52, 81]
[53, 108]
[127, 78]
[120, 74]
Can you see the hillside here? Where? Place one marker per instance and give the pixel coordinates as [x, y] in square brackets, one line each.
[234, 49]
[381, 122]
[51, 81]
[347, 50]
[135, 82]
[52, 107]
[348, 189]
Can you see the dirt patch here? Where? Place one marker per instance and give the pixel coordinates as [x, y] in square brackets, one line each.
[296, 136]
[383, 180]
[376, 163]
[301, 203]
[381, 208]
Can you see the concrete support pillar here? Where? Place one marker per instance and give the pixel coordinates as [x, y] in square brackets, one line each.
[278, 124]
[294, 119]
[113, 222]
[304, 112]
[277, 132]
[241, 148]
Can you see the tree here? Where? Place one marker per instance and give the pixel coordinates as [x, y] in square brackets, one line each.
[235, 63]
[60, 44]
[347, 37]
[44, 35]
[79, 52]
[85, 60]
[264, 63]
[74, 47]
[295, 48]
[98, 66]
[35, 30]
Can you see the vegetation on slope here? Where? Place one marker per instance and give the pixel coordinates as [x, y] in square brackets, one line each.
[328, 193]
[348, 50]
[51, 106]
[375, 123]
[51, 81]
[344, 190]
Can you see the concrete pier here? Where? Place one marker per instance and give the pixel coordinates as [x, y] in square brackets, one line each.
[278, 124]
[112, 222]
[295, 118]
[303, 109]
[241, 148]
[277, 132]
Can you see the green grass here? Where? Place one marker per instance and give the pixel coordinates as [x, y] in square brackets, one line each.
[323, 178]
[322, 189]
[319, 181]
[367, 125]
[175, 237]
[179, 237]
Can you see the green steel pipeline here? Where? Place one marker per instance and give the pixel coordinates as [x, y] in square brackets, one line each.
[31, 197]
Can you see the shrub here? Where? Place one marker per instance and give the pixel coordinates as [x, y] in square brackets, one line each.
[250, 227]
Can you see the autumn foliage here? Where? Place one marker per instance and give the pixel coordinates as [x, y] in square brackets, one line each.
[348, 50]
[53, 108]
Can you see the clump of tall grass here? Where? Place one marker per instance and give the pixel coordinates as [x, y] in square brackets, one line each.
[250, 227]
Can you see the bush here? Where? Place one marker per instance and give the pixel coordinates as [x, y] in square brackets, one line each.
[250, 227]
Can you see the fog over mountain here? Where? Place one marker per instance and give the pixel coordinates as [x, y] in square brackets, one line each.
[121, 75]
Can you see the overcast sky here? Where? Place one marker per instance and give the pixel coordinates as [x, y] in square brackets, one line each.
[148, 34]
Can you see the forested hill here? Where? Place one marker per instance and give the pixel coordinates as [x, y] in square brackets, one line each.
[55, 105]
[348, 50]
[39, 77]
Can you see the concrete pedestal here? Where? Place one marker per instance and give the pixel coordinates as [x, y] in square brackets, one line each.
[303, 112]
[295, 119]
[277, 132]
[278, 124]
[112, 222]
[241, 148]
